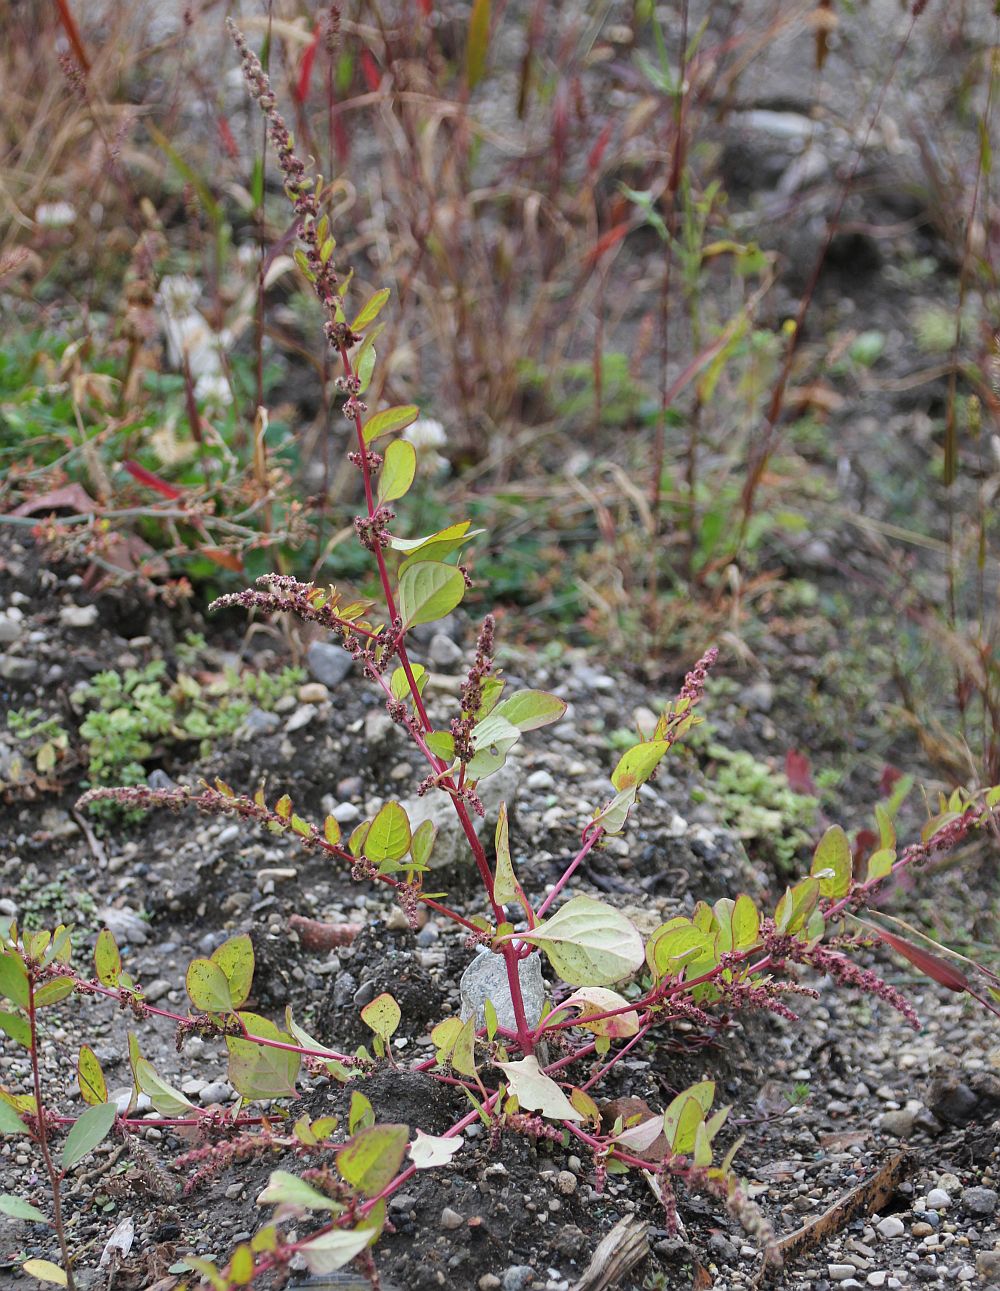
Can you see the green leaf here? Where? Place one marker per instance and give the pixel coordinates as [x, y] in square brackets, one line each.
[478, 43]
[372, 1158]
[589, 943]
[241, 1265]
[458, 532]
[331, 1251]
[54, 990]
[638, 764]
[613, 815]
[746, 923]
[441, 744]
[530, 709]
[90, 1077]
[389, 836]
[880, 863]
[429, 591]
[832, 863]
[796, 906]
[492, 739]
[331, 831]
[536, 1092]
[676, 944]
[262, 1071]
[364, 359]
[398, 470]
[88, 1130]
[382, 1015]
[235, 958]
[370, 310]
[207, 986]
[45, 1271]
[10, 1122]
[292, 1194]
[389, 420]
[167, 1100]
[107, 959]
[361, 1114]
[422, 843]
[18, 1208]
[18, 1028]
[400, 684]
[14, 979]
[505, 886]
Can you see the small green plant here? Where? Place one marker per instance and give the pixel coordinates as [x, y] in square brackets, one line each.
[131, 715]
[44, 740]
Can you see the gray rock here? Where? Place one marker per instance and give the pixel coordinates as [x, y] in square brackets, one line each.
[443, 653]
[486, 979]
[301, 718]
[379, 727]
[330, 664]
[899, 1123]
[451, 846]
[938, 1199]
[722, 1248]
[78, 616]
[539, 780]
[217, 1092]
[449, 626]
[10, 629]
[158, 779]
[518, 1277]
[840, 1272]
[988, 1265]
[157, 989]
[258, 722]
[14, 668]
[451, 1218]
[979, 1201]
[891, 1226]
[125, 925]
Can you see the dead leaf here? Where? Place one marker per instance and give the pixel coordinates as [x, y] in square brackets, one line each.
[868, 1198]
[73, 498]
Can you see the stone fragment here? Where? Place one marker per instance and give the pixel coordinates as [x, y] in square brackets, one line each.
[313, 692]
[443, 653]
[486, 979]
[981, 1202]
[891, 1226]
[451, 1218]
[78, 616]
[329, 664]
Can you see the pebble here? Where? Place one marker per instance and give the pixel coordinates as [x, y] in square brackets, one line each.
[157, 989]
[301, 718]
[566, 1182]
[78, 616]
[124, 925]
[228, 835]
[443, 653]
[489, 1282]
[938, 1199]
[14, 668]
[313, 692]
[891, 1226]
[451, 1218]
[899, 1124]
[979, 1201]
[328, 664]
[276, 874]
[518, 1277]
[840, 1272]
[345, 813]
[217, 1092]
[10, 627]
[539, 780]
[921, 1229]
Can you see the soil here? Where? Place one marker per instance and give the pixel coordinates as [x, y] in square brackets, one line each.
[821, 1105]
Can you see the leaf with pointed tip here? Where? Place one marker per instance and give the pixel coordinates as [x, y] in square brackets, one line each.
[832, 863]
[18, 1028]
[505, 886]
[370, 310]
[638, 763]
[207, 987]
[87, 1131]
[236, 959]
[398, 470]
[293, 1195]
[536, 1092]
[262, 1071]
[389, 836]
[18, 1208]
[331, 1251]
[428, 591]
[45, 1271]
[589, 943]
[598, 999]
[371, 1159]
[430, 1150]
[382, 1015]
[14, 979]
[530, 709]
[90, 1077]
[389, 420]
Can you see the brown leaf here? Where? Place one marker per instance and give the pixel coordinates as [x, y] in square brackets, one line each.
[73, 498]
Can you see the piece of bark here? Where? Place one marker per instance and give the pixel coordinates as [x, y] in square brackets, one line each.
[626, 1246]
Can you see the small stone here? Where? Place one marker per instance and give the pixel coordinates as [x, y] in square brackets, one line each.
[966, 1273]
[301, 718]
[840, 1272]
[891, 1226]
[78, 616]
[14, 668]
[938, 1199]
[451, 1218]
[489, 1282]
[486, 979]
[443, 653]
[216, 1092]
[518, 1277]
[539, 781]
[228, 835]
[899, 1124]
[345, 813]
[124, 924]
[276, 874]
[722, 1248]
[156, 990]
[988, 1265]
[877, 1279]
[921, 1229]
[158, 779]
[329, 664]
[313, 692]
[10, 628]
[378, 728]
[979, 1201]
[566, 1182]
